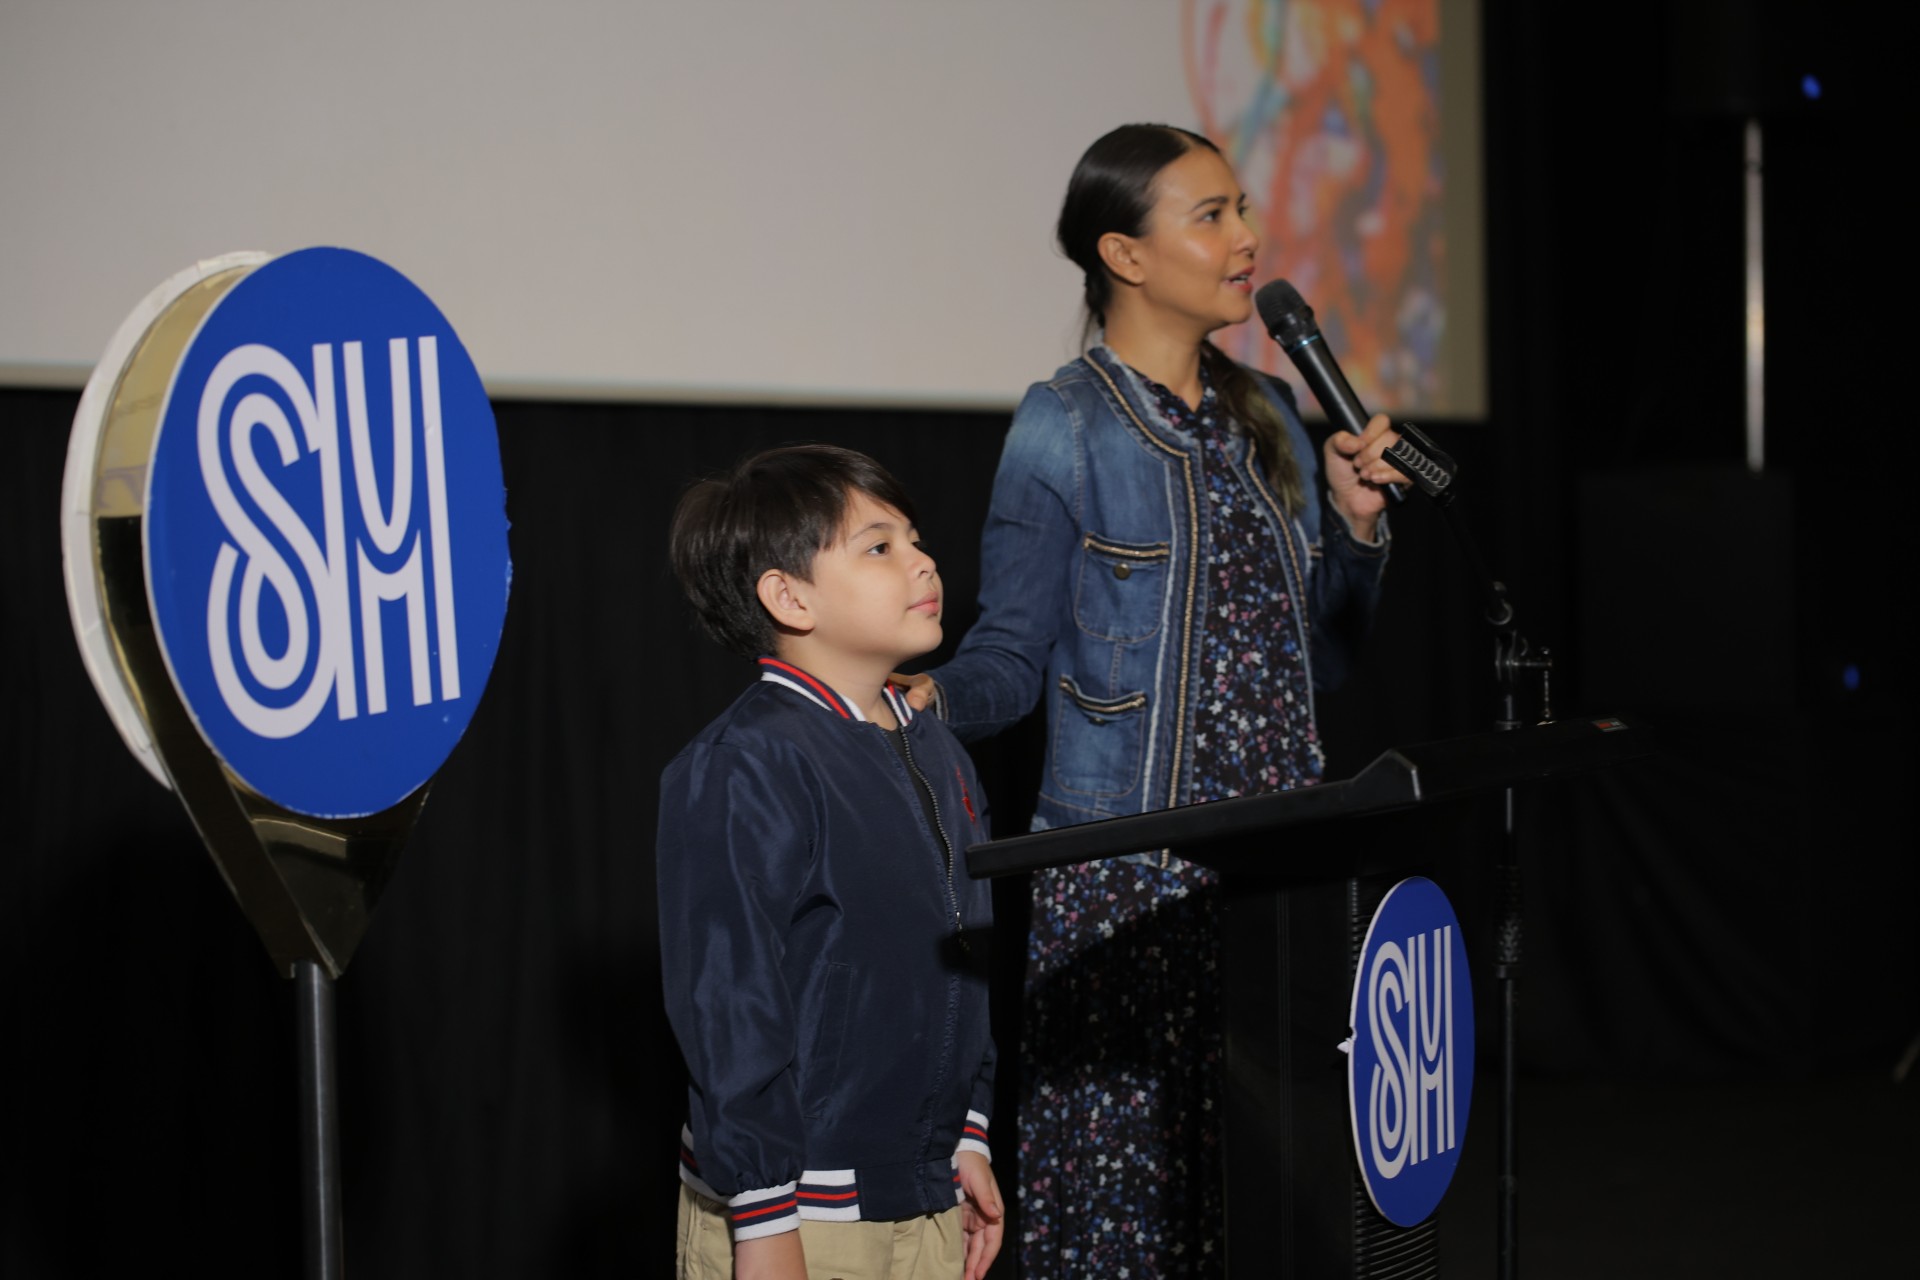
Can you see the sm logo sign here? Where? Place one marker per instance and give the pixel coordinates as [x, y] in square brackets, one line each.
[326, 533]
[317, 592]
[1411, 1069]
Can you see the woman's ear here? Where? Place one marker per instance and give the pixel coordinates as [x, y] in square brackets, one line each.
[1121, 254]
[784, 597]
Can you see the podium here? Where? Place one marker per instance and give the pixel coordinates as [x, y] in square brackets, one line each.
[1302, 872]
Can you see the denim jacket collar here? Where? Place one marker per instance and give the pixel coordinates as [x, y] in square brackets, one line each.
[1135, 400]
[1133, 392]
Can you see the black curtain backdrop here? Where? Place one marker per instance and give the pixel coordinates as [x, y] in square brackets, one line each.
[1739, 906]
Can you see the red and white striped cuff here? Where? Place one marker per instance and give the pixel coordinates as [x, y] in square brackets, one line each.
[974, 1136]
[768, 1212]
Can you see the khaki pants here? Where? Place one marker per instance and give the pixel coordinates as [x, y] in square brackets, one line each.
[929, 1248]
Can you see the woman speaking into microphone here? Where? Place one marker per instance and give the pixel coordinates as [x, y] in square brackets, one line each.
[1170, 565]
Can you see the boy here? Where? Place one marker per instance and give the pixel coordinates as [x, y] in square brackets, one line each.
[822, 945]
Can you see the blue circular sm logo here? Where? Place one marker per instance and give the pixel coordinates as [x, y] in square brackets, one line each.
[326, 533]
[1410, 1072]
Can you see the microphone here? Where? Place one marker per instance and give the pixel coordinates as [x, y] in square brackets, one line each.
[1290, 320]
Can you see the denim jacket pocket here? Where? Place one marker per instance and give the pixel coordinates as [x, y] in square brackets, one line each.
[822, 1058]
[1097, 741]
[1121, 590]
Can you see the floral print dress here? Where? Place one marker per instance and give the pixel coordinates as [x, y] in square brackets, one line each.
[1122, 1053]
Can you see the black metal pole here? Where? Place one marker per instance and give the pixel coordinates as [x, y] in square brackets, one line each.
[1511, 659]
[319, 1122]
[1506, 971]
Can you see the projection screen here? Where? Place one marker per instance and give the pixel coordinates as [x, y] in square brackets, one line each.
[836, 201]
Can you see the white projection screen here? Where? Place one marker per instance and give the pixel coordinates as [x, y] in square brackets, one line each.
[812, 201]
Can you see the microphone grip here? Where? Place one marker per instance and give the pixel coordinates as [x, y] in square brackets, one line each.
[1335, 394]
[1329, 385]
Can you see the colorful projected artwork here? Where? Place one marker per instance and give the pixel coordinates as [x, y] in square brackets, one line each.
[1330, 113]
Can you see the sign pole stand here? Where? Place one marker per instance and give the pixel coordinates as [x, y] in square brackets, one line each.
[319, 1121]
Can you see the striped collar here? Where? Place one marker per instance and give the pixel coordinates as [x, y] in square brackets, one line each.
[815, 690]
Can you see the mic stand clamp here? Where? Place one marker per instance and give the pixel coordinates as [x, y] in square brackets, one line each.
[1512, 658]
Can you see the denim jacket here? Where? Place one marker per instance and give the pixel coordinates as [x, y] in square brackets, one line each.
[1091, 593]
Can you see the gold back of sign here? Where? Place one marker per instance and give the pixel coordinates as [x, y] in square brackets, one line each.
[308, 884]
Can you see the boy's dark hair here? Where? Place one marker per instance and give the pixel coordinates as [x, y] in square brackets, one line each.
[774, 510]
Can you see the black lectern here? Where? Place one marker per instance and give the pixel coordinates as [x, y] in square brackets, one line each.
[1303, 872]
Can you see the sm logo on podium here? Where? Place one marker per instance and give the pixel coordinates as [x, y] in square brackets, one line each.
[1410, 1071]
[326, 545]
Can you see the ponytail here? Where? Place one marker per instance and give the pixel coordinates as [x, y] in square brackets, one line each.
[1249, 405]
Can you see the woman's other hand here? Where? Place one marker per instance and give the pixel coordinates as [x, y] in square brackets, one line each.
[1358, 473]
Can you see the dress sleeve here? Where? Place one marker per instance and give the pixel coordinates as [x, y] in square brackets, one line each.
[734, 846]
[1026, 564]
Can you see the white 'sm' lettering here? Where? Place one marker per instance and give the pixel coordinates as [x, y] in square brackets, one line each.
[320, 642]
[1410, 1099]
[1388, 1093]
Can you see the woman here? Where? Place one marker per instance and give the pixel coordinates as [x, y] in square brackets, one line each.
[1160, 562]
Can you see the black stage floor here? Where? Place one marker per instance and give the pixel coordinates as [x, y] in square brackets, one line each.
[1755, 1179]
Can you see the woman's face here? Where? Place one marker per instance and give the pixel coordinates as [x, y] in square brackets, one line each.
[1195, 262]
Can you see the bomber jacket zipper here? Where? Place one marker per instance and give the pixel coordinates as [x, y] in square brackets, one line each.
[939, 829]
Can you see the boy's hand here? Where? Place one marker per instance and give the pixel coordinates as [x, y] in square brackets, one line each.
[919, 689]
[777, 1257]
[980, 1213]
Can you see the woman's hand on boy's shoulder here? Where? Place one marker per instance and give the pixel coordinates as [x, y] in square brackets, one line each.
[919, 689]
[981, 1216]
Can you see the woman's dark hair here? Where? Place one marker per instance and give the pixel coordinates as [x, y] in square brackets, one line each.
[1112, 190]
[775, 510]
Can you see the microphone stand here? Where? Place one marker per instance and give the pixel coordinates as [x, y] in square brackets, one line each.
[1290, 321]
[1433, 473]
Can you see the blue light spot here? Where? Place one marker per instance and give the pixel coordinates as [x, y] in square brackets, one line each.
[1810, 85]
[1850, 678]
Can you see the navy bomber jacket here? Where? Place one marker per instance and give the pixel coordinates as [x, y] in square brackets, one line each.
[824, 954]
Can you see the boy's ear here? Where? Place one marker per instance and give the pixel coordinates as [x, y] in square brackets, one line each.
[784, 598]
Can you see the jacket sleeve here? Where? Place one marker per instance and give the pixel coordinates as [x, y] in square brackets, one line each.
[1343, 592]
[973, 1135]
[735, 842]
[1026, 566]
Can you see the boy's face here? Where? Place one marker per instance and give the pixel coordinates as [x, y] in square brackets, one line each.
[874, 593]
